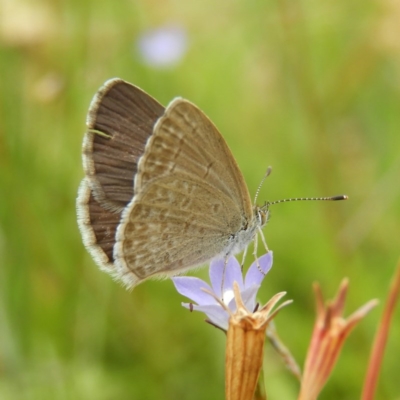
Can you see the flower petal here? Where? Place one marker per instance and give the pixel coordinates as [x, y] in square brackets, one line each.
[191, 287]
[233, 273]
[216, 272]
[254, 276]
[215, 313]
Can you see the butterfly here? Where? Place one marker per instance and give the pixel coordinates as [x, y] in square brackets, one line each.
[162, 192]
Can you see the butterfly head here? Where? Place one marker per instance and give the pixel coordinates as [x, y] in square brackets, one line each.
[262, 214]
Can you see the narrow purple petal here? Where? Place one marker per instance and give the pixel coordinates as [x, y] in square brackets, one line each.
[214, 312]
[254, 276]
[233, 273]
[191, 287]
[216, 271]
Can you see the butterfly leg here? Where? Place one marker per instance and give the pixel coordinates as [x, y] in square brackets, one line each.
[263, 239]
[223, 278]
[256, 246]
[244, 257]
[255, 253]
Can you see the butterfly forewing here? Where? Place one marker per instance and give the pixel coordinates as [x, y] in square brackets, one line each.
[190, 198]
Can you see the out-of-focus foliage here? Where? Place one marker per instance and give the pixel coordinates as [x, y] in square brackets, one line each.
[309, 87]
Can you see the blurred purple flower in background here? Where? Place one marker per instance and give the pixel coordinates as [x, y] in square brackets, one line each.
[192, 288]
[163, 47]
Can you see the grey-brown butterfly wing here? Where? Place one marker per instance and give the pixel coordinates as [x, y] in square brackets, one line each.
[190, 199]
[121, 118]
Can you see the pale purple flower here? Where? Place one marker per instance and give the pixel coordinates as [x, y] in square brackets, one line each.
[192, 288]
[162, 47]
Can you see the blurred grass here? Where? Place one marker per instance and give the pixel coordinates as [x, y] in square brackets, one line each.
[311, 88]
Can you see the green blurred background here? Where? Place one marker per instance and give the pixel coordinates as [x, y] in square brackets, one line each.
[309, 87]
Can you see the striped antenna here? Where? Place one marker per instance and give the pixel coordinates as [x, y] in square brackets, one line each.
[266, 175]
[333, 198]
[270, 203]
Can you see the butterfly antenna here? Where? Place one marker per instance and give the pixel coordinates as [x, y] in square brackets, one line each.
[267, 173]
[332, 198]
